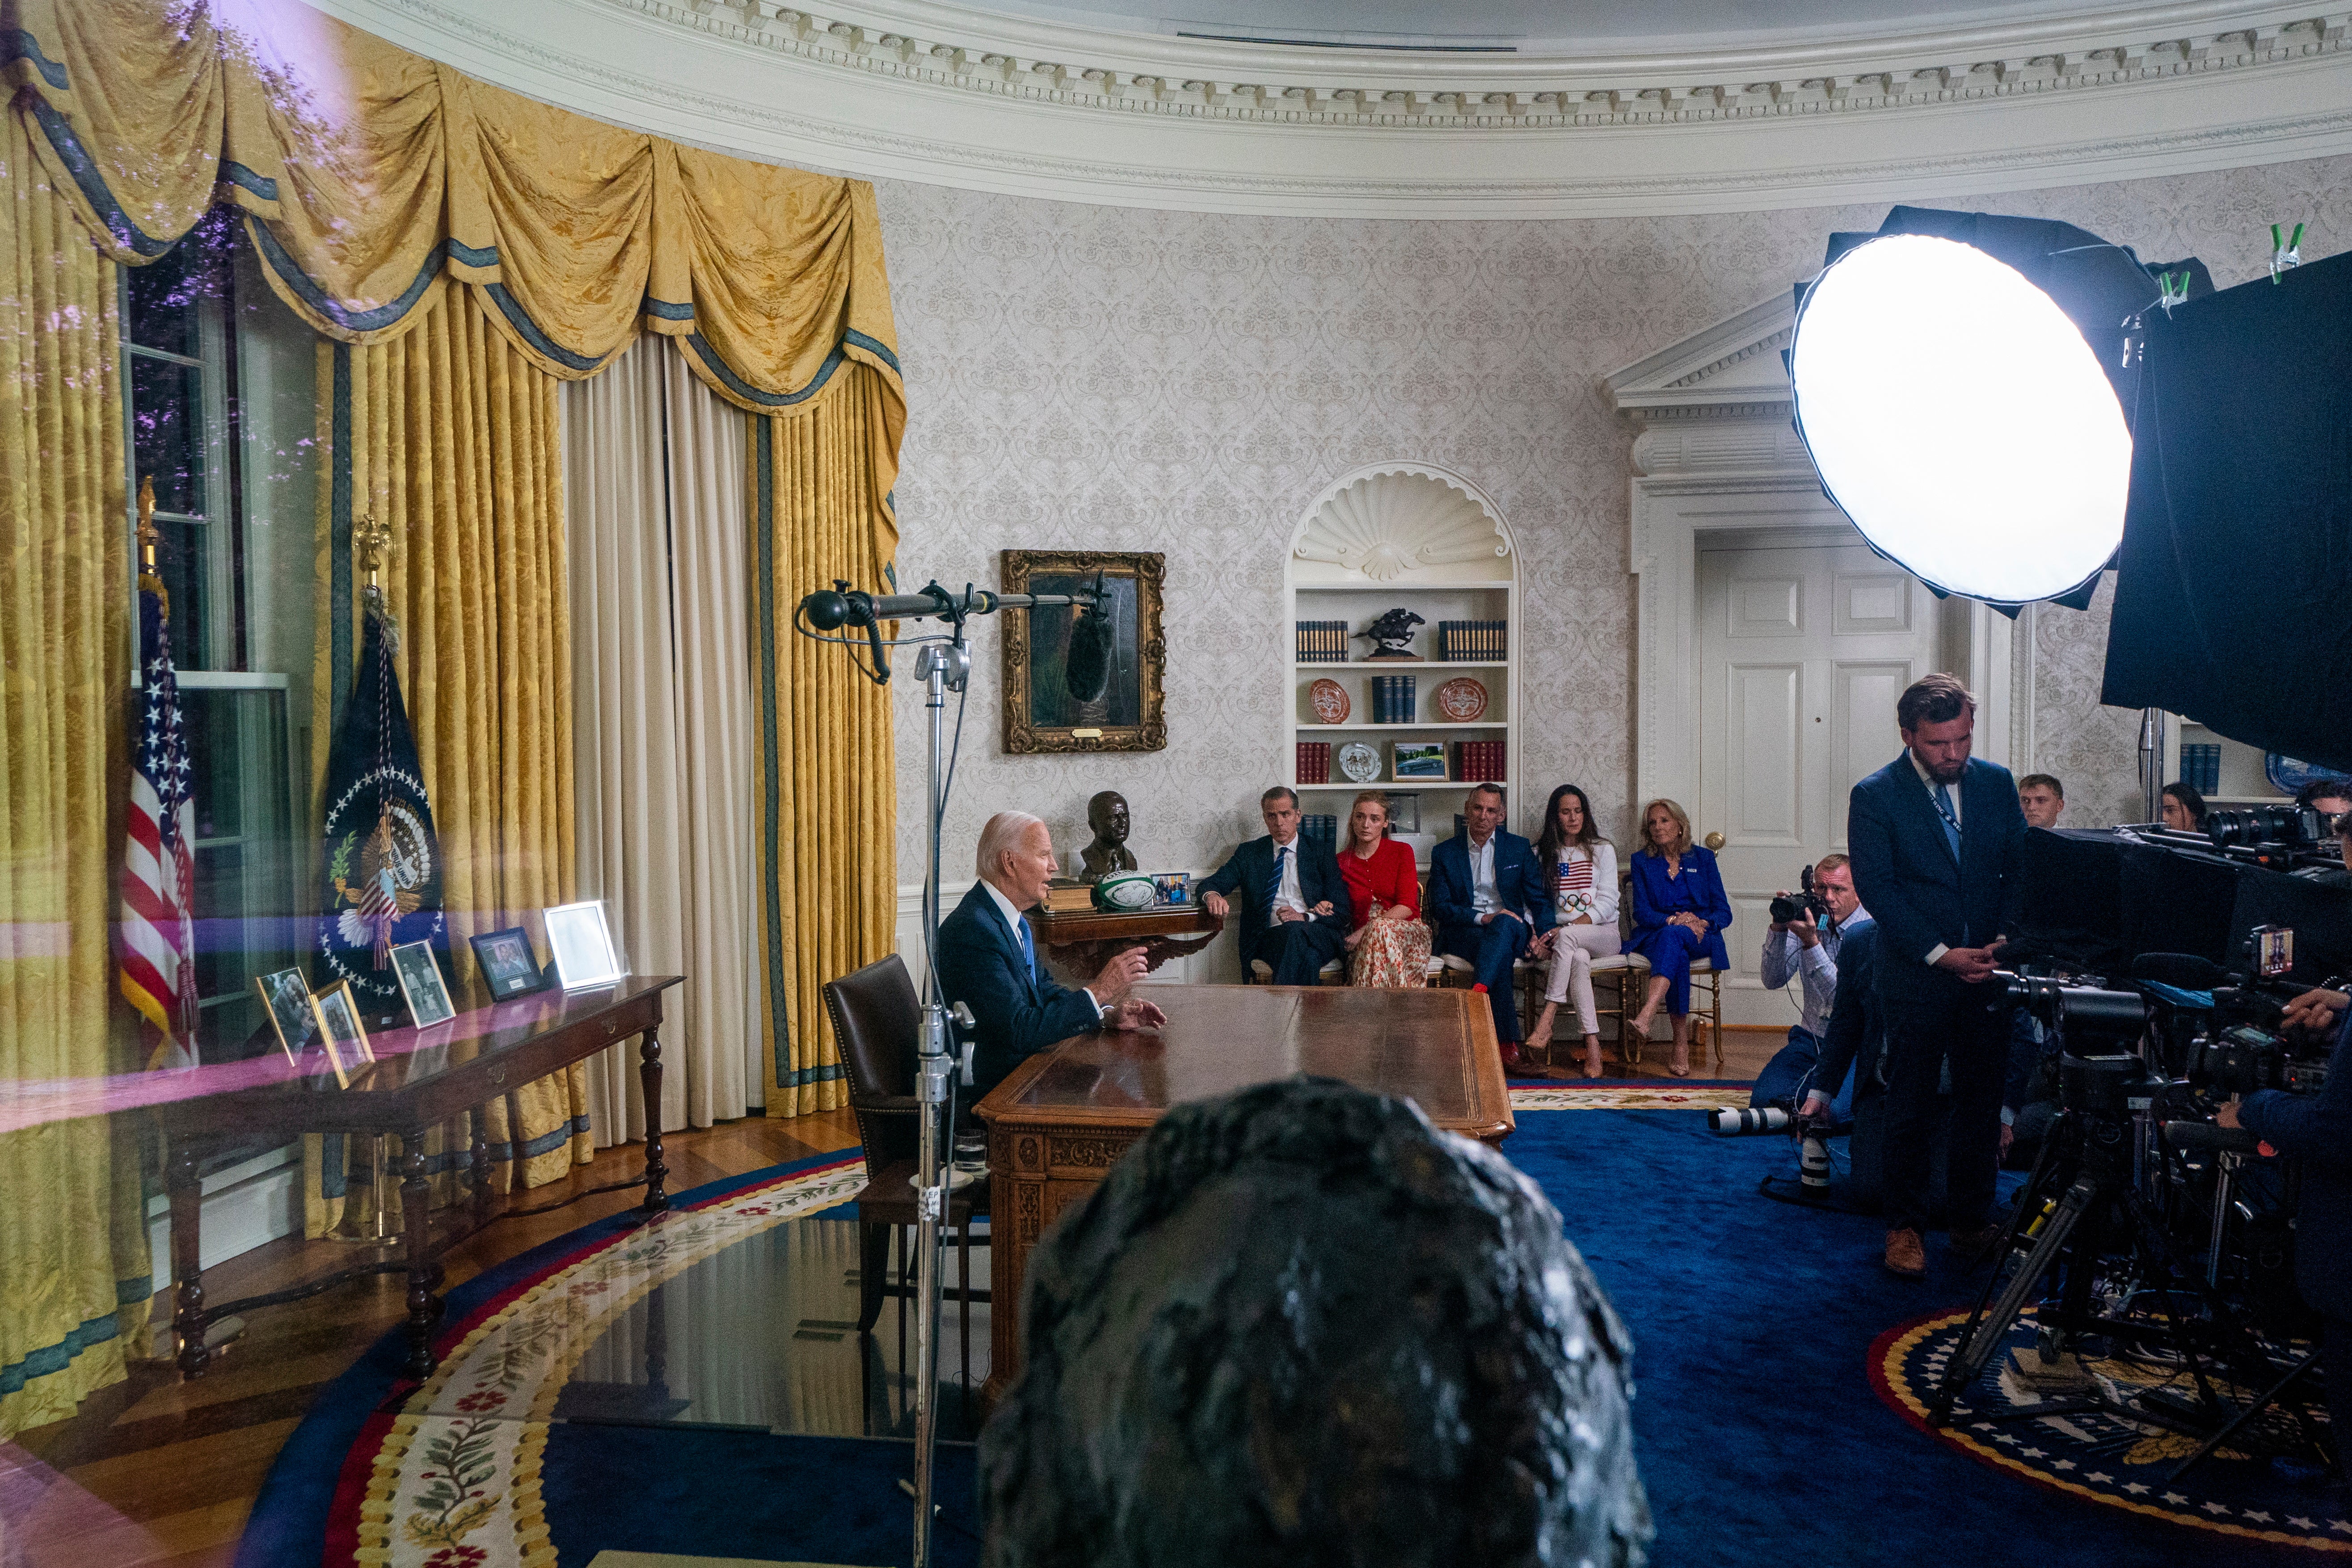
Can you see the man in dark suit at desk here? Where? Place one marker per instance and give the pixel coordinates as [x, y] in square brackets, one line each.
[1487, 894]
[1937, 839]
[988, 961]
[1294, 907]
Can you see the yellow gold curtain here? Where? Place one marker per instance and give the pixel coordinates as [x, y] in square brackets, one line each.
[74, 1276]
[826, 818]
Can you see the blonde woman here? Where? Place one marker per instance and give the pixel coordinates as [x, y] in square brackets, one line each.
[1389, 946]
[1679, 913]
[1580, 867]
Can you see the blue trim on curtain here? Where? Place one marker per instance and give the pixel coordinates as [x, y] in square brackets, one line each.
[547, 1142]
[471, 257]
[510, 307]
[245, 179]
[310, 294]
[339, 546]
[764, 536]
[334, 1180]
[750, 393]
[19, 45]
[858, 340]
[50, 1360]
[84, 170]
[667, 310]
[800, 1077]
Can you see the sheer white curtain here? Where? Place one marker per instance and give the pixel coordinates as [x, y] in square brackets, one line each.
[655, 490]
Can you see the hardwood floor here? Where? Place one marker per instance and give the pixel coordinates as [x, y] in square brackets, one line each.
[155, 1472]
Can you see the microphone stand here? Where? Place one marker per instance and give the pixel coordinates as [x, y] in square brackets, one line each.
[944, 665]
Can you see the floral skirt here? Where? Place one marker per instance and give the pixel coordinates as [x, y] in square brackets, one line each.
[1393, 953]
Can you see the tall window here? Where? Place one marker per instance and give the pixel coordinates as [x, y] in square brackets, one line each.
[183, 321]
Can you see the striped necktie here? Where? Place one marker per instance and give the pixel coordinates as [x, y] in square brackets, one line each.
[1274, 883]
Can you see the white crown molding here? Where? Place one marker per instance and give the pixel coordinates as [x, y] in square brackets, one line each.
[935, 93]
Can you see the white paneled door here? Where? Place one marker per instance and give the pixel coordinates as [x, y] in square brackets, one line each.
[1803, 649]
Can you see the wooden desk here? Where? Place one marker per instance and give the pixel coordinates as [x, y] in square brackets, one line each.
[1064, 1117]
[1087, 942]
[420, 1077]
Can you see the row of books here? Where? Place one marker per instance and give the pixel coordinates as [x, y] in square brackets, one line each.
[2200, 768]
[1322, 825]
[1322, 642]
[1480, 761]
[1459, 641]
[1314, 761]
[1393, 698]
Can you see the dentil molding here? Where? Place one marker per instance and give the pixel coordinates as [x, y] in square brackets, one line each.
[944, 94]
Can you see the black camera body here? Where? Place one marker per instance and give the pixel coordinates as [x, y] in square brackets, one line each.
[1793, 906]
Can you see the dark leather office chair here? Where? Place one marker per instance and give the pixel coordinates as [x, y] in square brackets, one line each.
[878, 1020]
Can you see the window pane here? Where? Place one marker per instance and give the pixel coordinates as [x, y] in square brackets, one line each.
[164, 299]
[167, 432]
[213, 770]
[220, 927]
[179, 562]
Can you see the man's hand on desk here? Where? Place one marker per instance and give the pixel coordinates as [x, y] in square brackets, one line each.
[1135, 1012]
[1215, 903]
[1119, 976]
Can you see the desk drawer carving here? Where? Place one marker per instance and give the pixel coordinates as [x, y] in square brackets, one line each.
[1091, 1154]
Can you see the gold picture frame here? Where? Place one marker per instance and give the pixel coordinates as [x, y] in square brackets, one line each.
[341, 1031]
[286, 1000]
[1130, 716]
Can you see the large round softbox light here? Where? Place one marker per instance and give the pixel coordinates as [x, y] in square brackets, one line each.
[1960, 419]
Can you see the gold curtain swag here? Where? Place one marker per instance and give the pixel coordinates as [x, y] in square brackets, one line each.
[369, 177]
[826, 812]
[74, 1273]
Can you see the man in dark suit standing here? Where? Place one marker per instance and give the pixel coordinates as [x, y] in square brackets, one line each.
[1293, 909]
[1488, 898]
[1935, 837]
[988, 961]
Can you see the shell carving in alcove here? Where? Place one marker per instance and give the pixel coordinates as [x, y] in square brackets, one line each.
[1385, 525]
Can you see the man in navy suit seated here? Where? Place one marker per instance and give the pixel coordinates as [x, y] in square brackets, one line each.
[1937, 839]
[1295, 911]
[988, 961]
[1488, 898]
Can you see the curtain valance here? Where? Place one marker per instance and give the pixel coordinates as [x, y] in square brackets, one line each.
[370, 177]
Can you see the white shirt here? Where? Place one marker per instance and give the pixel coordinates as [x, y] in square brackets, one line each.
[1587, 883]
[1287, 896]
[1483, 897]
[1012, 926]
[1929, 779]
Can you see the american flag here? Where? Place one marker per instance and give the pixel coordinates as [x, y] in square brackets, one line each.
[159, 862]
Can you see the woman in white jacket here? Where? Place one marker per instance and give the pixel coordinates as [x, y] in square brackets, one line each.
[1581, 869]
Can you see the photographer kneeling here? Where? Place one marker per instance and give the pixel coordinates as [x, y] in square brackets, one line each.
[2317, 1129]
[1807, 946]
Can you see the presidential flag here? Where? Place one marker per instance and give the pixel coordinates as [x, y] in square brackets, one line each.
[158, 934]
[382, 877]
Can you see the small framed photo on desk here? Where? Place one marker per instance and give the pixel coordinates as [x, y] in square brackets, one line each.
[340, 1028]
[510, 967]
[421, 986]
[579, 946]
[287, 995]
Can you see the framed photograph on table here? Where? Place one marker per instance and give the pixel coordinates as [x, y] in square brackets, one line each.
[421, 986]
[340, 1028]
[510, 967]
[1420, 760]
[1042, 713]
[579, 946]
[285, 996]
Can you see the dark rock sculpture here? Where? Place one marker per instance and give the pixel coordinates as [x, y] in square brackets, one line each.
[1299, 1325]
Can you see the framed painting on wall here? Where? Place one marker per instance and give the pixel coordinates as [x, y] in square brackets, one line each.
[1041, 714]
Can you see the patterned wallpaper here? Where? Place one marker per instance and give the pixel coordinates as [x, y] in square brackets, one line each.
[1096, 377]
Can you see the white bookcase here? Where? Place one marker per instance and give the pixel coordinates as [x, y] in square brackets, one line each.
[1403, 535]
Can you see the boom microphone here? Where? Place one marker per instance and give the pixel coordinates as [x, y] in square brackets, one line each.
[829, 610]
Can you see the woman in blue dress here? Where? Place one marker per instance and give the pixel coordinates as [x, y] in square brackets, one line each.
[1679, 913]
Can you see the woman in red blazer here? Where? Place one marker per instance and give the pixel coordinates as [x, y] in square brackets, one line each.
[1389, 946]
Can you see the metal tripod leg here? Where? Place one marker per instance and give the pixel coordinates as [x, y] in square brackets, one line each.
[2269, 1396]
[1976, 1350]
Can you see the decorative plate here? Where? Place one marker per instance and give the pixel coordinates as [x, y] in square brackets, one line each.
[1360, 762]
[1330, 700]
[1461, 700]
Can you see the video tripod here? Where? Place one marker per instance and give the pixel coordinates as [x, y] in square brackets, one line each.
[2086, 1217]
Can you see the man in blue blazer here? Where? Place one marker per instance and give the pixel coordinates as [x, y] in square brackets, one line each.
[1292, 908]
[1489, 903]
[1937, 839]
[988, 961]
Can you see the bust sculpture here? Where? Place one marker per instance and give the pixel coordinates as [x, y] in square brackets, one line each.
[1220, 1373]
[1106, 814]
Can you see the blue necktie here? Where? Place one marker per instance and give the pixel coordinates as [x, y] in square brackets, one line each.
[1028, 949]
[1274, 883]
[1952, 823]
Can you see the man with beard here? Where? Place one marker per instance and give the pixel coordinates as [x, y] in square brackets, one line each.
[1935, 837]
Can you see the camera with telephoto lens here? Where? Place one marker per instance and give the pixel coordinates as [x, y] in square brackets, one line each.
[1812, 1135]
[1794, 906]
[2287, 827]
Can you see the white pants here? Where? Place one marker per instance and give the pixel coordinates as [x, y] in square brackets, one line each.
[1574, 947]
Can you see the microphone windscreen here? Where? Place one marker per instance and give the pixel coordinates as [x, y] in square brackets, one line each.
[2184, 970]
[1086, 671]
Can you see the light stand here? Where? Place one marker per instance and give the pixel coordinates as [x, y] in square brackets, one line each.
[944, 664]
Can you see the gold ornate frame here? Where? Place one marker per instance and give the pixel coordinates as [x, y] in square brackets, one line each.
[1016, 570]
